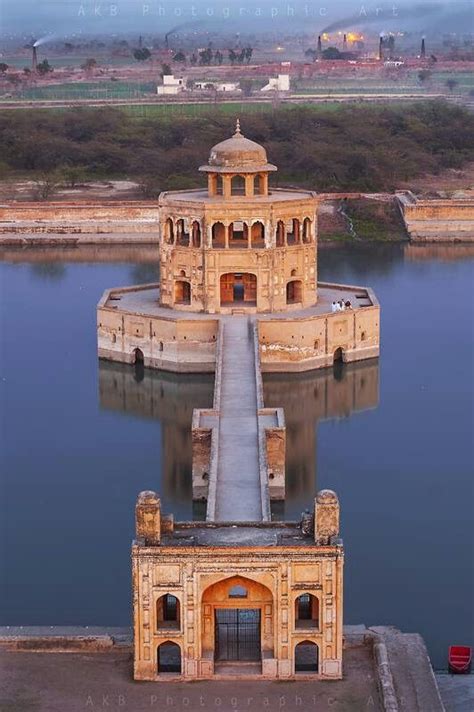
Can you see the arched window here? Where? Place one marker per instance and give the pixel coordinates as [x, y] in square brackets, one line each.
[280, 234]
[182, 292]
[238, 185]
[294, 292]
[306, 611]
[169, 658]
[182, 237]
[293, 234]
[169, 231]
[167, 612]
[238, 592]
[238, 234]
[306, 657]
[307, 225]
[258, 234]
[218, 235]
[196, 233]
[138, 356]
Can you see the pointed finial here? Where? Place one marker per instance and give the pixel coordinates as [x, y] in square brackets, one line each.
[237, 128]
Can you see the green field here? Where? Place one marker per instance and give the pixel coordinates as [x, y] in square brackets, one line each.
[231, 108]
[89, 90]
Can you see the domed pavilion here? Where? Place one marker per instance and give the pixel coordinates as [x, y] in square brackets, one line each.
[239, 245]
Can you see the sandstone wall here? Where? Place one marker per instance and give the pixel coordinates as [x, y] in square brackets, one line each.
[443, 220]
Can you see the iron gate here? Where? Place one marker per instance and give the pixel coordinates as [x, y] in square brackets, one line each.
[237, 634]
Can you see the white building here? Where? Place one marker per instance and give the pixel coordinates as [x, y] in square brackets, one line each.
[218, 86]
[280, 83]
[171, 85]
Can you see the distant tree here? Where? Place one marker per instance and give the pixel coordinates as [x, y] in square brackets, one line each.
[332, 53]
[190, 84]
[72, 176]
[148, 186]
[179, 56]
[193, 59]
[89, 64]
[46, 185]
[68, 47]
[44, 68]
[424, 75]
[232, 57]
[3, 67]
[27, 71]
[451, 84]
[165, 70]
[248, 52]
[205, 56]
[142, 54]
[246, 85]
[311, 54]
[219, 57]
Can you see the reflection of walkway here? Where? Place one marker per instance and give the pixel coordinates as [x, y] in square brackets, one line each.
[238, 473]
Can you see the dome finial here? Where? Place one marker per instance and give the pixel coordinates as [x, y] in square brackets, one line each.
[237, 128]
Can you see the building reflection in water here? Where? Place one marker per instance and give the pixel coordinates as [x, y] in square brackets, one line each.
[307, 399]
[171, 399]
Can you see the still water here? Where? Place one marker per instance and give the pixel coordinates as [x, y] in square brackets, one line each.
[393, 438]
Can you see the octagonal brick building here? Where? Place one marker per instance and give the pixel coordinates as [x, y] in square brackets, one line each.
[238, 245]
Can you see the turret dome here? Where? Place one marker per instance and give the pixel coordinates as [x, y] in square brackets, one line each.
[238, 154]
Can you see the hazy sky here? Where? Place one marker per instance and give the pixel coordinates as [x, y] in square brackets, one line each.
[69, 18]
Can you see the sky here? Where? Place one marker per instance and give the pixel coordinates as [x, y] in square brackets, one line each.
[69, 18]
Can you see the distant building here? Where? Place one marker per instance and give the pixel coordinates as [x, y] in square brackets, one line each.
[217, 86]
[279, 83]
[171, 85]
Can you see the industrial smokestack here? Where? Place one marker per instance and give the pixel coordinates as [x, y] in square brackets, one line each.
[320, 47]
[381, 47]
[344, 43]
[34, 61]
[423, 49]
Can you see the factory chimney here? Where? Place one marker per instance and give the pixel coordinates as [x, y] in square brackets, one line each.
[423, 49]
[381, 47]
[34, 61]
[320, 47]
[344, 43]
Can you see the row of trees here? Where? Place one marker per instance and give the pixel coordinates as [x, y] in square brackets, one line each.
[207, 56]
[363, 148]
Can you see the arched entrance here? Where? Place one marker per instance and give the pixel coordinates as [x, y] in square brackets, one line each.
[237, 621]
[138, 357]
[169, 658]
[182, 292]
[294, 292]
[306, 657]
[239, 289]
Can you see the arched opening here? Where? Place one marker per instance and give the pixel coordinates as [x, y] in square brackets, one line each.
[259, 185]
[238, 288]
[196, 233]
[307, 230]
[169, 231]
[306, 611]
[168, 612]
[218, 235]
[294, 292]
[138, 356]
[238, 185]
[169, 658]
[238, 234]
[338, 364]
[258, 235]
[293, 232]
[338, 355]
[237, 622]
[306, 657]
[182, 292]
[182, 237]
[280, 234]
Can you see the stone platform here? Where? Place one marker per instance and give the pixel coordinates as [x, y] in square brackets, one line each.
[131, 323]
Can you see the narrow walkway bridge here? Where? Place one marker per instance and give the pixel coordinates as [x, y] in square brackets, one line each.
[238, 469]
